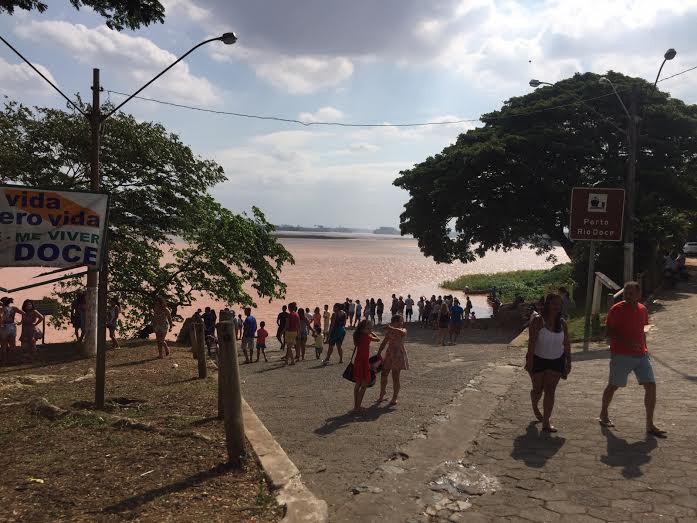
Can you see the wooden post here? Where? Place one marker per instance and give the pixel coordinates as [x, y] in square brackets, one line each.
[231, 393]
[222, 316]
[589, 296]
[198, 347]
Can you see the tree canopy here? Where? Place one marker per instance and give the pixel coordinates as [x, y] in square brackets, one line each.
[119, 14]
[168, 236]
[508, 182]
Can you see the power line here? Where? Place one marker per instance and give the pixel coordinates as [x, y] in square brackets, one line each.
[415, 124]
[292, 120]
[344, 124]
[677, 74]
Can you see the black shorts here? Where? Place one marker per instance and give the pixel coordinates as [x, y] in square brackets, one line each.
[543, 364]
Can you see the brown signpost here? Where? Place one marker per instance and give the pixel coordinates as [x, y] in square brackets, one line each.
[597, 215]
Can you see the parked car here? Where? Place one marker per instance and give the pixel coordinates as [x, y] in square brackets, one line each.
[690, 248]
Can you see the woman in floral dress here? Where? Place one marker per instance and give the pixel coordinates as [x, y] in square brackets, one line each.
[396, 359]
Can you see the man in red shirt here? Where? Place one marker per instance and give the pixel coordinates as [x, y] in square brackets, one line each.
[628, 353]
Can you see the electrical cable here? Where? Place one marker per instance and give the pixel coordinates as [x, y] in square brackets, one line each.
[344, 124]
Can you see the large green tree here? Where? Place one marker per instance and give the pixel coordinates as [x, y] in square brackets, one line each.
[119, 14]
[167, 234]
[508, 182]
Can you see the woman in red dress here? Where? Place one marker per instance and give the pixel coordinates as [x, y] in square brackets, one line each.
[362, 337]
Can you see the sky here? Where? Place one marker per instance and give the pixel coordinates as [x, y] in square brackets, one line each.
[363, 61]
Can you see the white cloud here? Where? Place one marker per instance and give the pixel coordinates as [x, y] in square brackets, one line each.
[185, 8]
[305, 74]
[135, 57]
[324, 114]
[21, 79]
[495, 45]
[288, 139]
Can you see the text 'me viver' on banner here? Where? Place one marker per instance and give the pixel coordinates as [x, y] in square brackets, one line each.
[51, 228]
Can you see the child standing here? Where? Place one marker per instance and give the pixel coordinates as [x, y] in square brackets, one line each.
[262, 334]
[319, 342]
[396, 358]
[361, 365]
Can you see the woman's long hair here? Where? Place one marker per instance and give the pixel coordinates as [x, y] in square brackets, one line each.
[360, 329]
[545, 310]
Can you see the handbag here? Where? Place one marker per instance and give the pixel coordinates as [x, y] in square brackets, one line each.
[567, 367]
[348, 371]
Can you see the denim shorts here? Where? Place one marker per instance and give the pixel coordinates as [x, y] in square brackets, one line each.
[622, 365]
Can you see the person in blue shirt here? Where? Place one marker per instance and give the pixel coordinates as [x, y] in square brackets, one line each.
[456, 320]
[249, 330]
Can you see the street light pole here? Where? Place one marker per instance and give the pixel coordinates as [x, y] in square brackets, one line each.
[90, 346]
[95, 314]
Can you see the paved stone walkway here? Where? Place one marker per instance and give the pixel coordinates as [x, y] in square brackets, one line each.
[586, 473]
[306, 407]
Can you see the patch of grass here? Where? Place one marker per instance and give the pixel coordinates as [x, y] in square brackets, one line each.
[576, 326]
[529, 284]
[85, 421]
[264, 499]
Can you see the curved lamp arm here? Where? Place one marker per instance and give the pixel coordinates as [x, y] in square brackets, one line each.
[228, 38]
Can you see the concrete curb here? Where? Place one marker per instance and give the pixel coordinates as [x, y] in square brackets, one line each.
[301, 504]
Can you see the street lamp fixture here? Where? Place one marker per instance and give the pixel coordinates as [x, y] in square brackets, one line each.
[229, 38]
[604, 80]
[669, 55]
[537, 83]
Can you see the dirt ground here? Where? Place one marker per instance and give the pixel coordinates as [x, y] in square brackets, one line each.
[88, 466]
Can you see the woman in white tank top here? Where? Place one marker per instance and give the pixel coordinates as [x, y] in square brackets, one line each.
[548, 358]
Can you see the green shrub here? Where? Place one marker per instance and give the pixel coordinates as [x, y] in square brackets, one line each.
[529, 284]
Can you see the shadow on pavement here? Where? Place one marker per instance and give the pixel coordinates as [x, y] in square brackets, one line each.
[595, 354]
[335, 423]
[688, 377]
[629, 456]
[534, 447]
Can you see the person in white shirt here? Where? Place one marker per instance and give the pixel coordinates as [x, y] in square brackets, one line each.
[408, 308]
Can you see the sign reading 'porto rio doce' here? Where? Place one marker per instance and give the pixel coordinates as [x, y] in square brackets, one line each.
[51, 228]
[597, 214]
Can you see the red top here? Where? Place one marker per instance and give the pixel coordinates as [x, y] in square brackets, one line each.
[293, 322]
[627, 324]
[317, 319]
[262, 334]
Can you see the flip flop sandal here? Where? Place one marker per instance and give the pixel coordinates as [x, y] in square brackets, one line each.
[656, 432]
[606, 423]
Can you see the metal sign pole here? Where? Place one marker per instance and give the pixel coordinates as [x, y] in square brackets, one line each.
[589, 296]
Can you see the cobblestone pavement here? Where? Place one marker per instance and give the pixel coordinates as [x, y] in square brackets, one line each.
[585, 472]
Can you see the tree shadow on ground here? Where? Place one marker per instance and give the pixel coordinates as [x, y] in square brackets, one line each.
[535, 447]
[45, 356]
[139, 500]
[133, 363]
[335, 423]
[629, 456]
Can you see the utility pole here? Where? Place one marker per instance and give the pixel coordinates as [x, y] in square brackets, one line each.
[632, 137]
[90, 346]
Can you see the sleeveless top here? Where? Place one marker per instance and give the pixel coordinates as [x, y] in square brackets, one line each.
[550, 344]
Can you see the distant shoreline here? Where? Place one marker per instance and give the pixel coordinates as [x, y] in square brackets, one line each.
[338, 236]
